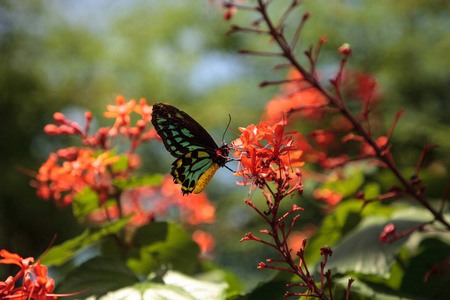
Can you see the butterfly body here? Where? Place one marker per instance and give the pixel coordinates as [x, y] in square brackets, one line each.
[198, 157]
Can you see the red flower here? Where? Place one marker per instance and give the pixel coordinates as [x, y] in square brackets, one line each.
[121, 111]
[205, 242]
[361, 86]
[266, 153]
[330, 197]
[35, 282]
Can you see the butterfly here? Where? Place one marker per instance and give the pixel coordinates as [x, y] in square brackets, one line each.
[198, 157]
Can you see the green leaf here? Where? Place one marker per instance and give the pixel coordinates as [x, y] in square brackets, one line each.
[217, 273]
[176, 286]
[64, 252]
[431, 252]
[272, 288]
[363, 291]
[159, 245]
[371, 190]
[84, 203]
[349, 185]
[135, 182]
[121, 164]
[97, 276]
[362, 252]
[344, 219]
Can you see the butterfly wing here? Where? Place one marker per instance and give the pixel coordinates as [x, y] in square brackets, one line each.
[194, 170]
[179, 132]
[198, 156]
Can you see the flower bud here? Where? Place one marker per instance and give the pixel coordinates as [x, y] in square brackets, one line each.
[345, 49]
[59, 118]
[88, 116]
[51, 129]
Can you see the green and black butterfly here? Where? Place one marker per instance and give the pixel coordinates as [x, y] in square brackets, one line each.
[198, 156]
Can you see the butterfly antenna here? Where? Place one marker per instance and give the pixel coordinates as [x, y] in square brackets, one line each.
[228, 125]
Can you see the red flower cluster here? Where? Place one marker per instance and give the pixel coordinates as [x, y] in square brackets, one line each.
[35, 282]
[267, 153]
[80, 168]
[297, 97]
[70, 170]
[360, 86]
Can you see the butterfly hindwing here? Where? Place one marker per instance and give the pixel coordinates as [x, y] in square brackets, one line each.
[198, 156]
[193, 171]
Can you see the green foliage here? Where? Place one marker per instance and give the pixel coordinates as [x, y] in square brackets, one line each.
[162, 245]
[97, 276]
[66, 251]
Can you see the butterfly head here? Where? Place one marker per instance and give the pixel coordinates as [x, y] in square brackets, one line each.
[222, 155]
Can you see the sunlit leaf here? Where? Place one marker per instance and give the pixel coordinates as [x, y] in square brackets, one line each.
[134, 182]
[176, 286]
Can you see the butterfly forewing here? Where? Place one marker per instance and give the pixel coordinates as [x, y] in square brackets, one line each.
[179, 132]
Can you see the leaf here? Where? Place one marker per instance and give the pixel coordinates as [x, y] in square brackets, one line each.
[336, 224]
[217, 273]
[371, 190]
[343, 220]
[431, 252]
[160, 244]
[176, 286]
[362, 252]
[99, 276]
[349, 185]
[135, 182]
[84, 203]
[274, 287]
[363, 291]
[64, 252]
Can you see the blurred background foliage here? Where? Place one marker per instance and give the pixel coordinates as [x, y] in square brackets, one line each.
[73, 56]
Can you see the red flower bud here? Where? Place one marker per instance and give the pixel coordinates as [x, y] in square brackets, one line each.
[141, 124]
[51, 129]
[64, 129]
[69, 154]
[345, 49]
[59, 118]
[88, 116]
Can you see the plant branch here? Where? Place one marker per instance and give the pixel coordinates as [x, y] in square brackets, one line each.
[380, 152]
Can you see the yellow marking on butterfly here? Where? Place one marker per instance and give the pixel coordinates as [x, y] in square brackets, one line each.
[188, 155]
[187, 189]
[203, 154]
[205, 178]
